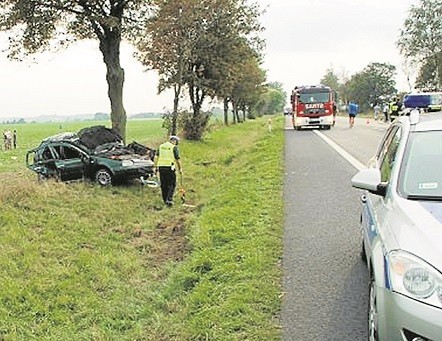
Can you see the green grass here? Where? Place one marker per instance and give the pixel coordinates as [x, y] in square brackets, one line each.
[84, 262]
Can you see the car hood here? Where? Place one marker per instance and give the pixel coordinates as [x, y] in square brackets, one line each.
[419, 231]
[95, 136]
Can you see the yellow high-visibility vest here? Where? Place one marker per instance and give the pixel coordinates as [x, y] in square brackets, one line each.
[166, 157]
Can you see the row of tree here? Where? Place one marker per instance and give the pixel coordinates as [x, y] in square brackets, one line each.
[211, 48]
[374, 84]
[420, 43]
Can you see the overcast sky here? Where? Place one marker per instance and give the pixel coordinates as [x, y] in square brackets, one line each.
[304, 38]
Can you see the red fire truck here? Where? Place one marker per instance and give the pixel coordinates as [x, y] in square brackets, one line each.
[313, 106]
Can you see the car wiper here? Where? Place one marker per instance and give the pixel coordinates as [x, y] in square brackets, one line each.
[424, 197]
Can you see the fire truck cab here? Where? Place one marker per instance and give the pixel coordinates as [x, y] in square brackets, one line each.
[313, 106]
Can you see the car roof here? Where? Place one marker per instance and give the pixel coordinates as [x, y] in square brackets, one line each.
[66, 136]
[426, 121]
[430, 121]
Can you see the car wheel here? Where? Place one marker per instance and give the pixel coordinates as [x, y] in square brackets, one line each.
[103, 177]
[372, 313]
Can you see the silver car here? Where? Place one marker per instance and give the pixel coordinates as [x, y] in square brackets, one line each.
[401, 224]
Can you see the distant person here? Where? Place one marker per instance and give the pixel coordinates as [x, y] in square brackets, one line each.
[394, 109]
[14, 139]
[8, 139]
[269, 121]
[386, 110]
[353, 109]
[377, 110]
[167, 159]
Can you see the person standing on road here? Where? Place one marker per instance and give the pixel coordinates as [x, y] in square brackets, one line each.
[353, 110]
[167, 159]
[377, 110]
[386, 110]
[394, 109]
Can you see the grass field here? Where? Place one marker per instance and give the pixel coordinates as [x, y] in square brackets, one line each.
[89, 263]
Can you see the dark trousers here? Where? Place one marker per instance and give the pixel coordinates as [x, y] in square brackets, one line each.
[168, 183]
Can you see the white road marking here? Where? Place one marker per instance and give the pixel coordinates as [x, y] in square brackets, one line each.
[353, 161]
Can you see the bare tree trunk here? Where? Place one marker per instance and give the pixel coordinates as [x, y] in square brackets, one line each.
[226, 111]
[243, 112]
[234, 121]
[177, 90]
[110, 48]
[237, 114]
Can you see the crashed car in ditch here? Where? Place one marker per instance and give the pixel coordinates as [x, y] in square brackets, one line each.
[96, 153]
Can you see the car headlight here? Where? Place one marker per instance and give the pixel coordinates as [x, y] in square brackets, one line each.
[127, 163]
[413, 277]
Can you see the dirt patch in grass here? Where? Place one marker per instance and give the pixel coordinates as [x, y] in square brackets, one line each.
[166, 243]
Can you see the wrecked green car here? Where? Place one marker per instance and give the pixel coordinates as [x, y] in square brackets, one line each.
[96, 153]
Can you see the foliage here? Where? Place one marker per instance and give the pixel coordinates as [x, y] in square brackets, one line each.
[200, 45]
[371, 84]
[194, 125]
[331, 80]
[428, 76]
[248, 87]
[273, 100]
[84, 262]
[421, 39]
[34, 26]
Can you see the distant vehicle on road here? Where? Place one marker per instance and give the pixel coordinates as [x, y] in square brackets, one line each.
[427, 101]
[313, 106]
[401, 223]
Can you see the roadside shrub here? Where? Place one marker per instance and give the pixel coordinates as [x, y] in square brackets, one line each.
[194, 124]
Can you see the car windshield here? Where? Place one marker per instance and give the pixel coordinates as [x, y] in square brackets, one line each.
[314, 97]
[421, 176]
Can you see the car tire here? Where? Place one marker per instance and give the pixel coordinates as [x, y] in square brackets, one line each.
[372, 312]
[103, 177]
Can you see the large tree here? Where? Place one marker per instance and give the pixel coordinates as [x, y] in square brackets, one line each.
[37, 25]
[421, 37]
[247, 90]
[371, 84]
[192, 44]
[273, 99]
[331, 79]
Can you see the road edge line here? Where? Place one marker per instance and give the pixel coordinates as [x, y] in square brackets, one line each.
[352, 160]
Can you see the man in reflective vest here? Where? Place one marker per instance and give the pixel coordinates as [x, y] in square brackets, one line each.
[394, 109]
[167, 159]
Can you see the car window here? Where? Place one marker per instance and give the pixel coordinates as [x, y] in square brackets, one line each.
[421, 174]
[388, 155]
[65, 152]
[47, 155]
[70, 153]
[382, 149]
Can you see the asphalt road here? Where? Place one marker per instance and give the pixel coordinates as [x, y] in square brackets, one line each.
[325, 281]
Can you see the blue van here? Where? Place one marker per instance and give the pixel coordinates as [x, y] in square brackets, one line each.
[428, 101]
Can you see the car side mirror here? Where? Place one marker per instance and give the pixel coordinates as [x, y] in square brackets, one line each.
[370, 180]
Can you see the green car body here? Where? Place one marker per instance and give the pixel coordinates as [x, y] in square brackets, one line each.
[95, 153]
